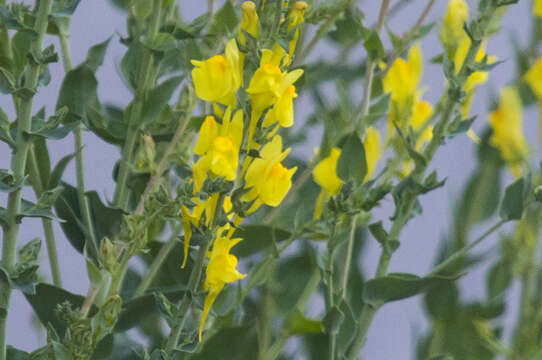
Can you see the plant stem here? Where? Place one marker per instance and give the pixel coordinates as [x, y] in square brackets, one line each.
[143, 83]
[18, 166]
[193, 281]
[84, 206]
[47, 223]
[165, 250]
[348, 258]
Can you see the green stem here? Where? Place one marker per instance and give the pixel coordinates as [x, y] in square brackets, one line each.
[18, 166]
[193, 283]
[47, 224]
[348, 258]
[144, 82]
[165, 250]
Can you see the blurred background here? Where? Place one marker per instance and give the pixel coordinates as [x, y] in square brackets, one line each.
[395, 329]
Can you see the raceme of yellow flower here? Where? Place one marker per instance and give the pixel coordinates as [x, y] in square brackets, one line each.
[267, 179]
[533, 77]
[402, 81]
[249, 22]
[537, 8]
[283, 111]
[474, 79]
[221, 270]
[295, 17]
[218, 78]
[219, 146]
[507, 124]
[373, 150]
[325, 175]
[452, 32]
[268, 82]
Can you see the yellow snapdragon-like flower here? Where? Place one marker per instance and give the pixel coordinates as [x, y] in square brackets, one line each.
[218, 78]
[268, 180]
[325, 175]
[507, 124]
[373, 150]
[249, 22]
[537, 8]
[402, 81]
[221, 270]
[476, 78]
[452, 32]
[270, 85]
[219, 146]
[283, 111]
[295, 18]
[533, 77]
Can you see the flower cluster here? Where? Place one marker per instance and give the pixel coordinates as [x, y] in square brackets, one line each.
[227, 144]
[325, 172]
[457, 43]
[507, 124]
[407, 109]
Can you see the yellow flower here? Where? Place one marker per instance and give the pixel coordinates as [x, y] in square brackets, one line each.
[249, 22]
[325, 175]
[421, 112]
[452, 32]
[295, 18]
[268, 180]
[283, 111]
[537, 8]
[474, 79]
[507, 126]
[219, 77]
[533, 77]
[269, 85]
[220, 271]
[373, 151]
[401, 82]
[219, 146]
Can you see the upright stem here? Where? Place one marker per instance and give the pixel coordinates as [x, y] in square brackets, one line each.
[84, 206]
[369, 311]
[144, 81]
[18, 166]
[348, 258]
[47, 223]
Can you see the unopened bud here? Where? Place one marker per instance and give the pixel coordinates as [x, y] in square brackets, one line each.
[249, 21]
[297, 14]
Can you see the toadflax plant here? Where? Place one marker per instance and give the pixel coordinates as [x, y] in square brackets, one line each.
[218, 241]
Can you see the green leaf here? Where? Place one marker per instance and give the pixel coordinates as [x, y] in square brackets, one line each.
[45, 301]
[398, 286]
[8, 183]
[374, 47]
[352, 164]
[139, 308]
[459, 126]
[257, 238]
[513, 203]
[333, 320]
[107, 220]
[96, 54]
[54, 134]
[16, 354]
[379, 233]
[78, 90]
[236, 343]
[159, 97]
[67, 208]
[300, 324]
[193, 30]
[64, 7]
[161, 42]
[30, 251]
[29, 209]
[225, 20]
[42, 158]
[58, 171]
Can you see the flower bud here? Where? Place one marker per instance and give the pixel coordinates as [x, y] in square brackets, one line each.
[249, 21]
